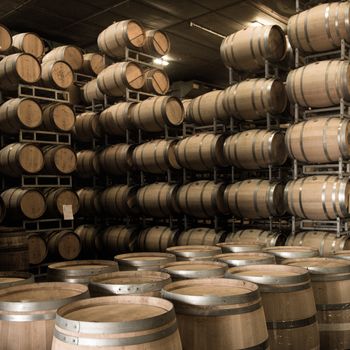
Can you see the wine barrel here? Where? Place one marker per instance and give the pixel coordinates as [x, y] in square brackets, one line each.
[194, 252]
[245, 258]
[200, 236]
[5, 39]
[237, 247]
[18, 68]
[115, 79]
[319, 140]
[201, 151]
[201, 199]
[28, 312]
[87, 163]
[67, 53]
[75, 94]
[57, 198]
[93, 64]
[318, 197]
[117, 323]
[319, 84]
[56, 75]
[120, 35]
[291, 252]
[87, 127]
[158, 199]
[115, 120]
[254, 199]
[79, 271]
[59, 159]
[91, 92]
[156, 156]
[255, 149]
[156, 239]
[13, 249]
[320, 28]
[143, 261]
[156, 81]
[218, 305]
[327, 243]
[15, 278]
[186, 103]
[19, 113]
[157, 43]
[204, 109]
[37, 248]
[293, 326]
[116, 159]
[58, 117]
[247, 49]
[89, 201]
[29, 43]
[253, 99]
[88, 236]
[330, 278]
[155, 113]
[147, 283]
[63, 245]
[23, 203]
[17, 159]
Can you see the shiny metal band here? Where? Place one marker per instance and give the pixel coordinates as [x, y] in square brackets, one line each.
[343, 138]
[83, 273]
[333, 307]
[319, 277]
[291, 324]
[28, 318]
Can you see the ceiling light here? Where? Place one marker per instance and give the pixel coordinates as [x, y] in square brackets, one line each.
[161, 61]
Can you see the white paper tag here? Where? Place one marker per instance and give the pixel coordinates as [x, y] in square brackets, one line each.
[68, 212]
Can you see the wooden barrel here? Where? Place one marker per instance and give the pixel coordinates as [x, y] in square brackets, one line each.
[119, 35]
[155, 156]
[13, 249]
[28, 312]
[37, 248]
[268, 238]
[58, 117]
[115, 79]
[218, 305]
[56, 75]
[67, 53]
[21, 158]
[156, 81]
[87, 163]
[158, 199]
[246, 258]
[182, 270]
[200, 236]
[255, 149]
[63, 245]
[201, 152]
[157, 43]
[156, 239]
[59, 159]
[115, 119]
[319, 140]
[342, 254]
[57, 198]
[119, 200]
[327, 243]
[291, 252]
[87, 127]
[320, 28]
[13, 278]
[75, 94]
[194, 252]
[186, 103]
[23, 203]
[319, 84]
[79, 271]
[19, 113]
[29, 43]
[330, 279]
[201, 199]
[318, 197]
[18, 68]
[151, 261]
[254, 199]
[117, 239]
[204, 109]
[293, 326]
[91, 92]
[247, 49]
[147, 283]
[117, 323]
[93, 64]
[154, 113]
[89, 201]
[253, 99]
[116, 159]
[237, 247]
[88, 236]
[5, 39]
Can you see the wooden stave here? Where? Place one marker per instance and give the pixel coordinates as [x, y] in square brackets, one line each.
[48, 78]
[87, 127]
[270, 239]
[37, 257]
[49, 117]
[207, 236]
[51, 166]
[90, 92]
[88, 236]
[89, 202]
[53, 245]
[58, 54]
[87, 163]
[160, 245]
[18, 44]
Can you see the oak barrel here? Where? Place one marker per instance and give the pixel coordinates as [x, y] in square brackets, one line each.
[116, 159]
[56, 75]
[63, 244]
[245, 258]
[93, 63]
[291, 252]
[342, 254]
[90, 92]
[240, 247]
[156, 81]
[200, 236]
[88, 236]
[186, 103]
[15, 278]
[67, 53]
[57, 198]
[87, 127]
[5, 39]
[194, 252]
[59, 159]
[87, 163]
[58, 117]
[156, 239]
[29, 43]
[37, 248]
[157, 43]
[89, 201]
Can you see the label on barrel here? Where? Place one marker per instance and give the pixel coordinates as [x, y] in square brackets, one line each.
[68, 212]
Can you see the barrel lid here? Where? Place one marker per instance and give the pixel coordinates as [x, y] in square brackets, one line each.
[289, 252]
[246, 258]
[142, 259]
[236, 247]
[10, 278]
[194, 251]
[342, 254]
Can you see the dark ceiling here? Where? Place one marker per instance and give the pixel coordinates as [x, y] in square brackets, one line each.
[194, 53]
